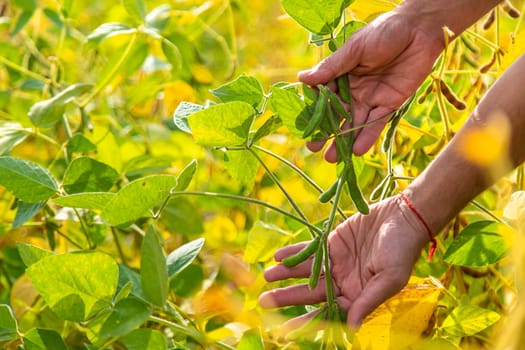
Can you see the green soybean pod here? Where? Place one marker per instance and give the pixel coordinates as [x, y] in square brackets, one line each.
[343, 85]
[394, 122]
[338, 107]
[319, 110]
[355, 191]
[329, 193]
[316, 267]
[303, 254]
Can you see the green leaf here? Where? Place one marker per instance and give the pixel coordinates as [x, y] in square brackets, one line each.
[146, 164]
[27, 5]
[85, 174]
[8, 325]
[80, 143]
[136, 9]
[54, 17]
[93, 200]
[137, 198]
[188, 281]
[25, 212]
[159, 17]
[127, 314]
[251, 340]
[242, 166]
[263, 240]
[11, 134]
[21, 21]
[47, 113]
[182, 216]
[345, 33]
[467, 320]
[318, 16]
[270, 125]
[108, 30]
[126, 276]
[43, 339]
[145, 339]
[172, 53]
[31, 254]
[28, 181]
[181, 114]
[183, 256]
[186, 175]
[292, 110]
[478, 245]
[71, 283]
[226, 124]
[244, 88]
[153, 269]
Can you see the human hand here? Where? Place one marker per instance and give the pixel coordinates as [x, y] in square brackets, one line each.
[371, 259]
[386, 61]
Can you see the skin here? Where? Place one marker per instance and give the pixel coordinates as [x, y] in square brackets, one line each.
[388, 60]
[372, 256]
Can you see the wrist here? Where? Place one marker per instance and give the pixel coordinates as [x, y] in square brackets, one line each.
[431, 16]
[418, 222]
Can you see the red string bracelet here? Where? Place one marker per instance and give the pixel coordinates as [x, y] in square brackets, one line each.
[433, 246]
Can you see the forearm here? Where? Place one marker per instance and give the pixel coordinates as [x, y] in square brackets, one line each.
[432, 15]
[454, 178]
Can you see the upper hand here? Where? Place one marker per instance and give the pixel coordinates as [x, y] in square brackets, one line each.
[386, 61]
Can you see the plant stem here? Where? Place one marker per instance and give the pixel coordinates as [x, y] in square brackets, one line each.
[119, 246]
[298, 171]
[112, 73]
[281, 187]
[502, 278]
[330, 295]
[482, 39]
[23, 70]
[195, 335]
[361, 126]
[406, 125]
[488, 212]
[84, 228]
[520, 178]
[249, 200]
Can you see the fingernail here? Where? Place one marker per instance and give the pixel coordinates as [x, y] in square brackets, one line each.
[266, 301]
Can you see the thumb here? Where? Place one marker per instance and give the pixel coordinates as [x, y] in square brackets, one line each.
[378, 289]
[340, 62]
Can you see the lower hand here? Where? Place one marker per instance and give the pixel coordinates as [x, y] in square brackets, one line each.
[371, 258]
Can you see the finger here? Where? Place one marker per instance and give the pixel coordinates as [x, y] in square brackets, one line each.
[299, 321]
[288, 250]
[280, 272]
[338, 63]
[330, 155]
[315, 146]
[369, 134]
[298, 294]
[378, 289]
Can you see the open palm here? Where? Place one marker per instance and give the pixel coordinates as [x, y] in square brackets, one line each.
[371, 259]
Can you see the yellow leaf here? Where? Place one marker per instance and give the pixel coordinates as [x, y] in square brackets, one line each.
[219, 232]
[400, 321]
[23, 296]
[219, 334]
[201, 74]
[516, 49]
[367, 10]
[217, 300]
[177, 92]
